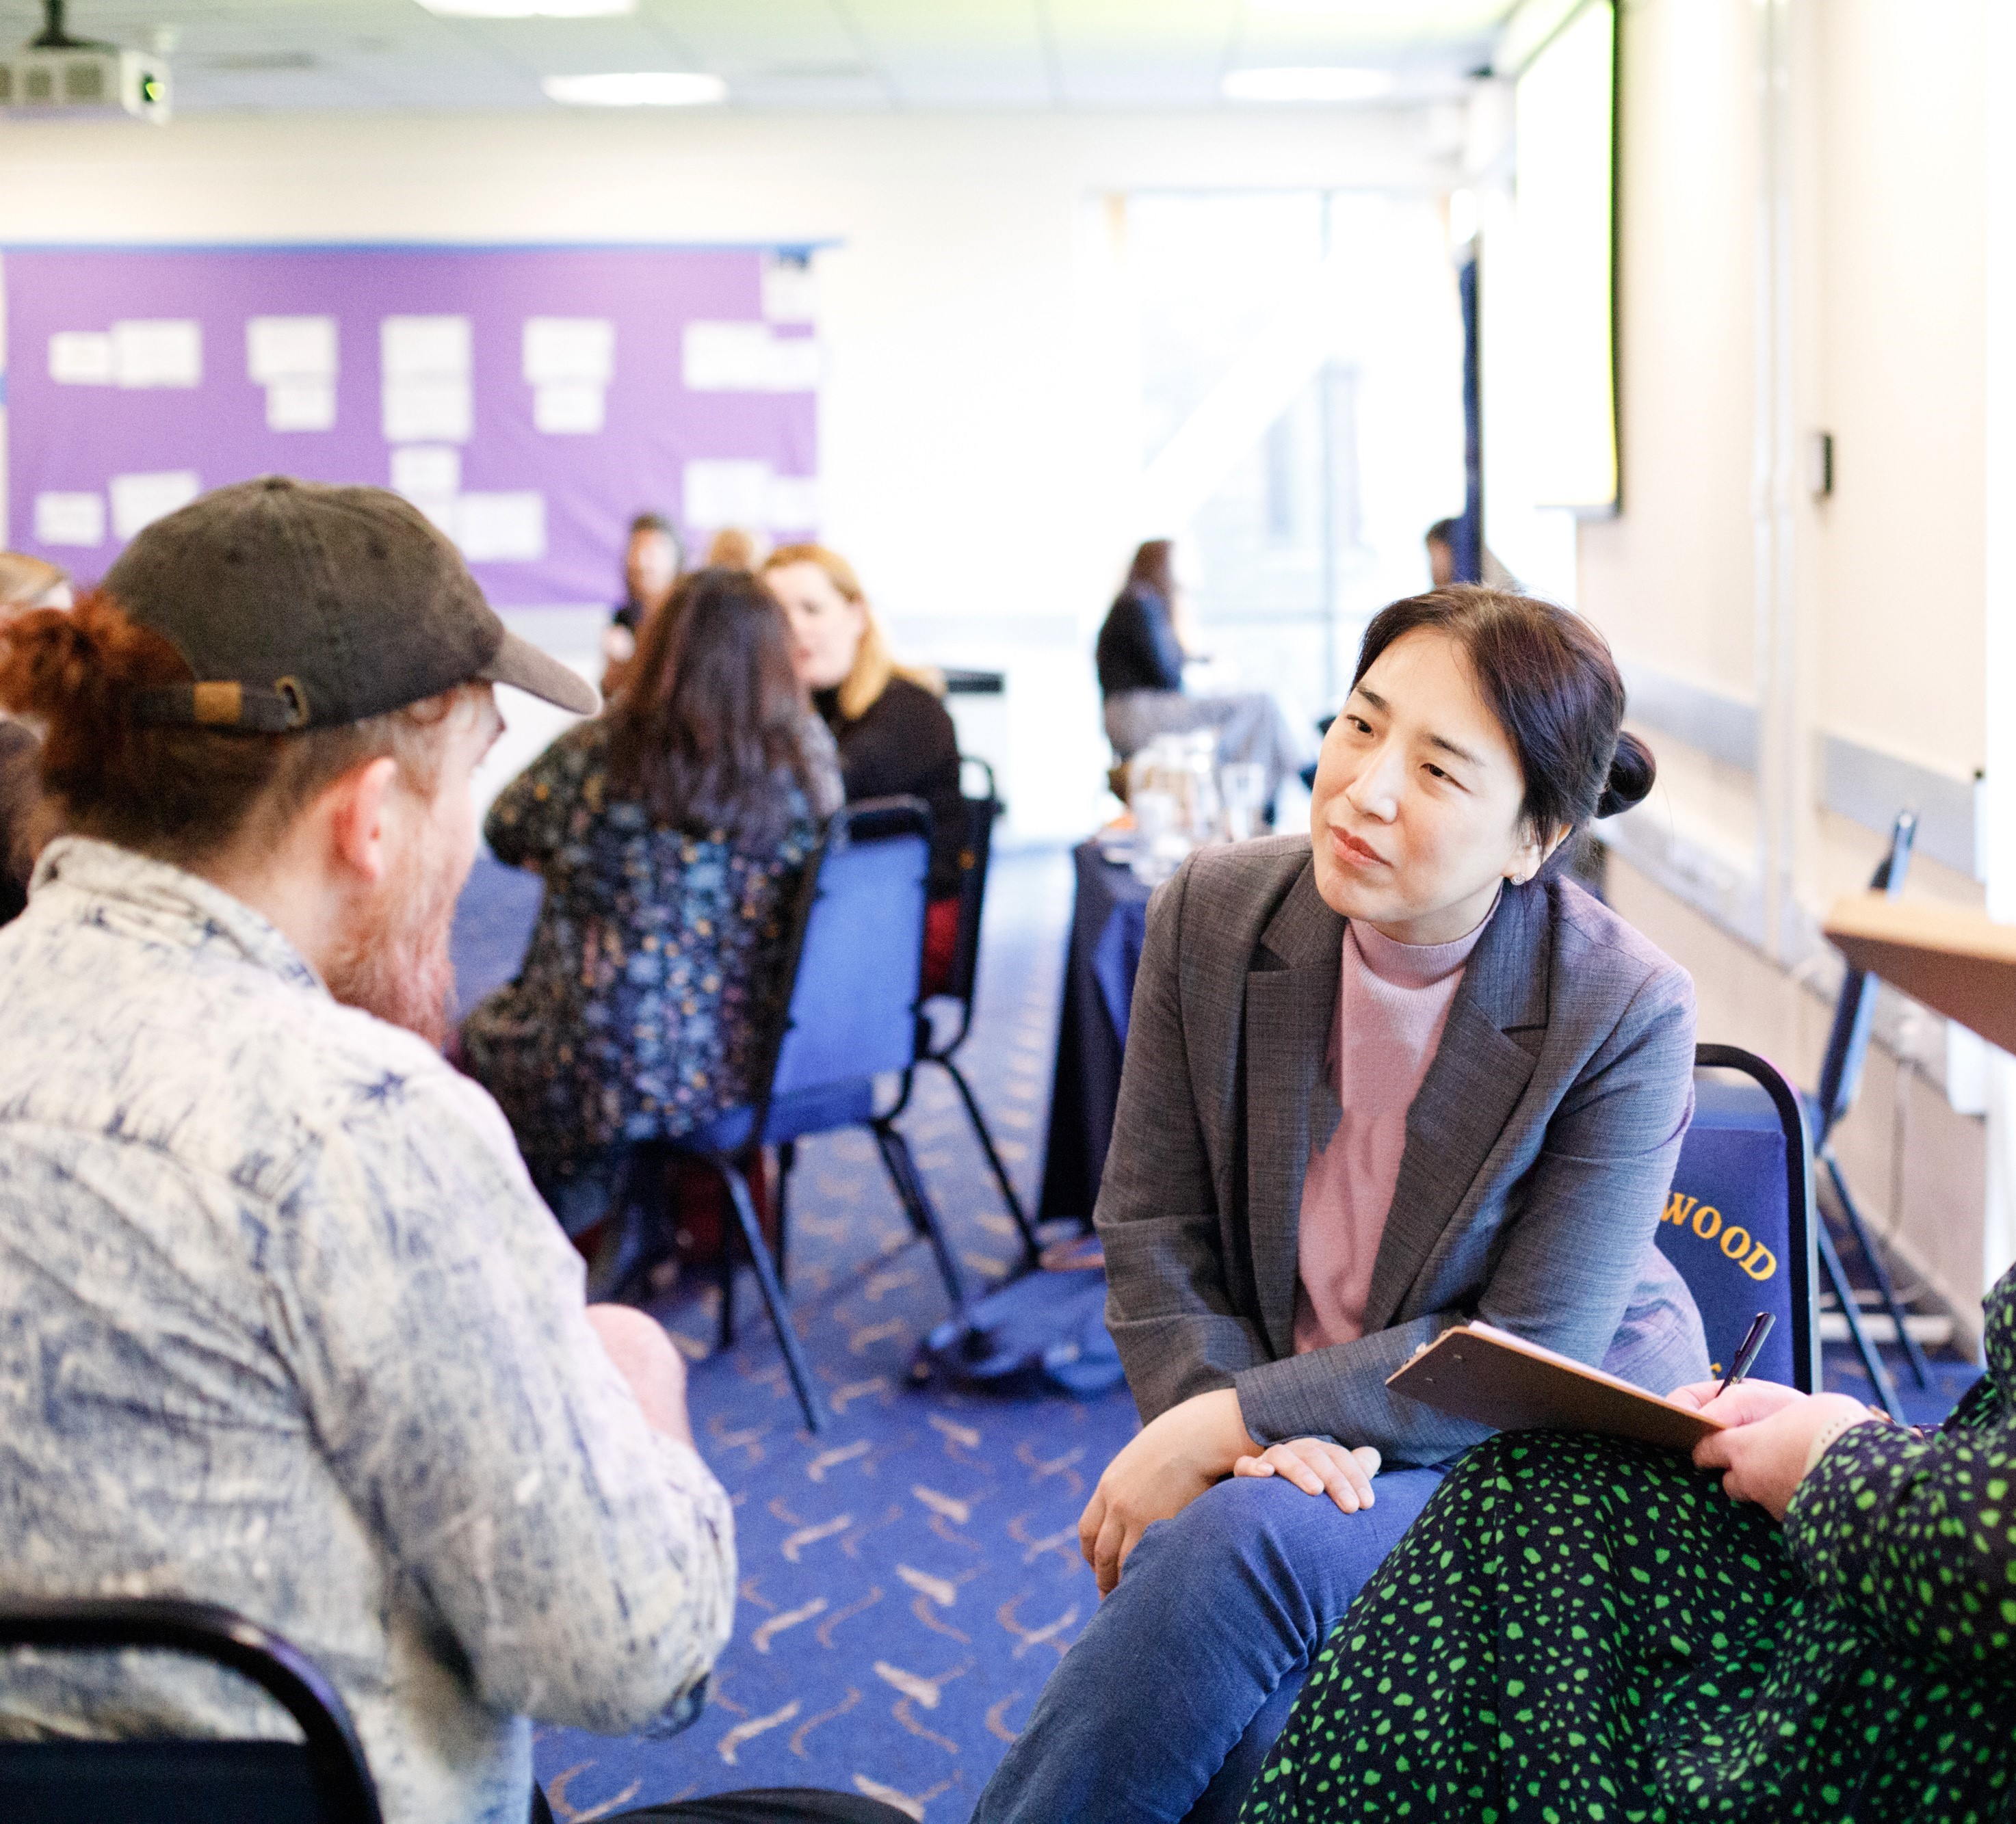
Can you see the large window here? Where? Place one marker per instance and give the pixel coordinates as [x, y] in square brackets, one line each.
[1300, 360]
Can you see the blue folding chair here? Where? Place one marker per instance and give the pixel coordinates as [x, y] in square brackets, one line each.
[852, 970]
[1739, 1221]
[322, 1778]
[975, 849]
[1840, 1079]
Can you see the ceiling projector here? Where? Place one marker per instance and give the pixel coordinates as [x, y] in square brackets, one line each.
[58, 75]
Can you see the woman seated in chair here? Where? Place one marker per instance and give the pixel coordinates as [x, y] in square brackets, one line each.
[895, 738]
[1402, 1076]
[671, 832]
[1590, 1627]
[1143, 644]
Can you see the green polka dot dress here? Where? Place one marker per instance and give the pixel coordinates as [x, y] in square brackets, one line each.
[1580, 1629]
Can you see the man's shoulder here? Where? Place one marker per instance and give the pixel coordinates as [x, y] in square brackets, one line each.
[221, 1064]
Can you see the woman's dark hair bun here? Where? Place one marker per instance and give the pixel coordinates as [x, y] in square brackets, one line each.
[1631, 772]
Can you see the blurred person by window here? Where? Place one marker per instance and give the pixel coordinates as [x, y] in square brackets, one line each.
[651, 562]
[1142, 648]
[1441, 540]
[895, 738]
[671, 833]
[26, 819]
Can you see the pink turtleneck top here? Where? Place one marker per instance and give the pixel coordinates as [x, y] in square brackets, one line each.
[1393, 1001]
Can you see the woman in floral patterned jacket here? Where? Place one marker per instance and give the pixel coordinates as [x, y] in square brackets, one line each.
[671, 833]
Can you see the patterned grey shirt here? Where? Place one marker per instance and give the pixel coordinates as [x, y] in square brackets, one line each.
[283, 1325]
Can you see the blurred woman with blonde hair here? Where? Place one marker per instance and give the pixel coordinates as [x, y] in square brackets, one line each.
[26, 582]
[893, 735]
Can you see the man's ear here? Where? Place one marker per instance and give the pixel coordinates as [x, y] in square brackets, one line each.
[353, 810]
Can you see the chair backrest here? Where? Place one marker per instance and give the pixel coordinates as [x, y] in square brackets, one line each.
[975, 848]
[856, 954]
[1855, 1009]
[1739, 1221]
[321, 1779]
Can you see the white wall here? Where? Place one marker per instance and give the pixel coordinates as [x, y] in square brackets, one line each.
[1802, 188]
[976, 452]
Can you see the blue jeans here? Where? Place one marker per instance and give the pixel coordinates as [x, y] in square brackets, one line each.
[1167, 1704]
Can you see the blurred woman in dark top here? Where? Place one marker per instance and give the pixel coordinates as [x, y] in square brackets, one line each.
[671, 832]
[1140, 654]
[651, 561]
[895, 735]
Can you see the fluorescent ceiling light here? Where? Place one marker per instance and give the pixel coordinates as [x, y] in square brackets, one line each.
[637, 89]
[529, 9]
[1308, 83]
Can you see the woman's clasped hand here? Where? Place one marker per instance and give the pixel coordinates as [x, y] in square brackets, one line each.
[1767, 1446]
[1179, 1453]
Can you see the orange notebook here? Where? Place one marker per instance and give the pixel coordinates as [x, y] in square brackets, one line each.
[1480, 1372]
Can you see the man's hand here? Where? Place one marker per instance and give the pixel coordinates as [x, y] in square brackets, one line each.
[1317, 1466]
[645, 1357]
[1771, 1430]
[1173, 1461]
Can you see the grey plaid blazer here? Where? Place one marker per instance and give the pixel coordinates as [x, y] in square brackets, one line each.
[1538, 1153]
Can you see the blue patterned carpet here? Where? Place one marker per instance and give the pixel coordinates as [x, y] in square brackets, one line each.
[910, 1578]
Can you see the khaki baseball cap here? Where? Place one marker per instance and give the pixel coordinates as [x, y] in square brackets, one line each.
[302, 605]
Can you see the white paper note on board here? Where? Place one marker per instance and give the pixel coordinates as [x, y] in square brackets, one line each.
[570, 348]
[726, 358]
[70, 519]
[795, 364]
[502, 528]
[569, 408]
[162, 351]
[791, 504]
[301, 405]
[427, 411]
[423, 348]
[290, 348]
[139, 500]
[426, 469]
[81, 357]
[790, 295]
[725, 491]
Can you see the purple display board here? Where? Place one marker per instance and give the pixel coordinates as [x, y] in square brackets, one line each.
[531, 400]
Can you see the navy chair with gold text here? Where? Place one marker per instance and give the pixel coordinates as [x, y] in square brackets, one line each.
[1739, 1221]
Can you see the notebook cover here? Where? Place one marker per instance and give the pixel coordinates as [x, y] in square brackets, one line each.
[1480, 1373]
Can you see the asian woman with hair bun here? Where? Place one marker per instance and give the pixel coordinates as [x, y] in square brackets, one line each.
[1389, 1075]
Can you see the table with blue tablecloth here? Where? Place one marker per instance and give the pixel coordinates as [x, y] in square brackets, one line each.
[1108, 927]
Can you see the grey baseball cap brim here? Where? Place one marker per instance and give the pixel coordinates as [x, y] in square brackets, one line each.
[301, 605]
[522, 665]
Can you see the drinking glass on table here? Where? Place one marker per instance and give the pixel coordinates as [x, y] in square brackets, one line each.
[1159, 845]
[1242, 784]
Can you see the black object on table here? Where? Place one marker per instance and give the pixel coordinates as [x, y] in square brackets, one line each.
[960, 681]
[1108, 924]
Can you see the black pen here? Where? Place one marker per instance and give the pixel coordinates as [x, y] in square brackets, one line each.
[1748, 1351]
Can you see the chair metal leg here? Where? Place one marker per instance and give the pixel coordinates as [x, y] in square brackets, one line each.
[726, 1338]
[773, 1293]
[1913, 1353]
[1872, 1360]
[916, 1201]
[788, 1157]
[1032, 1250]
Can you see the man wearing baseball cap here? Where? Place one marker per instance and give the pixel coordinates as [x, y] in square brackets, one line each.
[283, 1325]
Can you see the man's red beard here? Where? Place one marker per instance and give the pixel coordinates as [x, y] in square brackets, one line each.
[398, 965]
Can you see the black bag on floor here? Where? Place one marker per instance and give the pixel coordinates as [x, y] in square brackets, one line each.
[1043, 1334]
